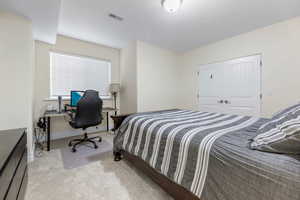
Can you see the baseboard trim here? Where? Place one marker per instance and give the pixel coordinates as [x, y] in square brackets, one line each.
[31, 156]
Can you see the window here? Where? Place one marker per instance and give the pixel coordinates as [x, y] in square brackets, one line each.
[68, 72]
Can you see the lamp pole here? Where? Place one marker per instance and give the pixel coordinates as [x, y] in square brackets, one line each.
[115, 100]
[114, 88]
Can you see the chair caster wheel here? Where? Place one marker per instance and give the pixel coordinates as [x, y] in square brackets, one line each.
[96, 147]
[100, 140]
[73, 150]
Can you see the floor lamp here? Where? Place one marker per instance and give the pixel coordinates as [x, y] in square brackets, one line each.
[114, 88]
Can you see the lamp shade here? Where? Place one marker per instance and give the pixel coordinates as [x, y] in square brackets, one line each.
[114, 87]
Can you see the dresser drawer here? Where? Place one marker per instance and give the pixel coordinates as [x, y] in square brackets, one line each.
[17, 179]
[10, 168]
[22, 191]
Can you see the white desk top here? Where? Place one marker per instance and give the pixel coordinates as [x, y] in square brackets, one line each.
[55, 113]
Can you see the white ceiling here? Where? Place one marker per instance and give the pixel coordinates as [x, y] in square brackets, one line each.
[198, 22]
[43, 13]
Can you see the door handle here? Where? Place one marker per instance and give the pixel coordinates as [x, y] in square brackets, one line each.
[227, 102]
[221, 101]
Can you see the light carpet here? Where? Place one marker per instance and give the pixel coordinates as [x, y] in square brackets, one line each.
[100, 180]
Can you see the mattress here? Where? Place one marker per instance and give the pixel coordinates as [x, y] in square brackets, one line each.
[208, 154]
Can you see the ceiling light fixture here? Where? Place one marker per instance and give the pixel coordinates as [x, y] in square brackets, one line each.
[171, 6]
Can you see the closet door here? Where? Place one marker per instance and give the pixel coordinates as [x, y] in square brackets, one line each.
[211, 90]
[243, 86]
[232, 87]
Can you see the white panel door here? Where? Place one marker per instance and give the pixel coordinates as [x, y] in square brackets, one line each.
[232, 87]
[210, 88]
[243, 86]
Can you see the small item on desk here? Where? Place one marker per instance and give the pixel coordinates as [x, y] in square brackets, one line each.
[50, 107]
[66, 107]
[59, 104]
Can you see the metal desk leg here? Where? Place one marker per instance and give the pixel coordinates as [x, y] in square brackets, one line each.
[107, 122]
[48, 133]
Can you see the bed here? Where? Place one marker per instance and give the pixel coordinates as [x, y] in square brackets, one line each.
[202, 155]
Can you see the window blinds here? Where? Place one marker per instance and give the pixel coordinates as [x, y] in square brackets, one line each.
[68, 72]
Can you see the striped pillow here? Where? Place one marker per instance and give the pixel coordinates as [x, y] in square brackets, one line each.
[281, 134]
[285, 111]
[278, 118]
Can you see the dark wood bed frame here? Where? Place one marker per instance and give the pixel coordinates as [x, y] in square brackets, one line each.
[176, 191]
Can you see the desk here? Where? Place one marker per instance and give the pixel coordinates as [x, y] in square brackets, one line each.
[49, 114]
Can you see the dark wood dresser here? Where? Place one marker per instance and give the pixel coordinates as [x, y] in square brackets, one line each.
[13, 164]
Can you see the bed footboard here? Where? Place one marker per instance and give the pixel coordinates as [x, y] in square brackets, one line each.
[176, 191]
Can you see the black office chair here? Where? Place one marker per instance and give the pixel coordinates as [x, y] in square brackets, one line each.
[87, 114]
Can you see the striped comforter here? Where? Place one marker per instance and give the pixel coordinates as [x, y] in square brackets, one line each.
[177, 143]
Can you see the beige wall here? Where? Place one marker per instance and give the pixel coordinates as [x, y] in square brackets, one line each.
[153, 78]
[60, 127]
[158, 77]
[149, 78]
[128, 95]
[16, 73]
[279, 45]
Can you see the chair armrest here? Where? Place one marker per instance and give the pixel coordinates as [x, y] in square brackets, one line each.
[70, 110]
[71, 115]
[68, 107]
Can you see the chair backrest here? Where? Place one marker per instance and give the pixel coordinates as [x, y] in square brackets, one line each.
[89, 110]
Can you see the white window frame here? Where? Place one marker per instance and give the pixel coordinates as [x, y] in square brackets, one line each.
[67, 97]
